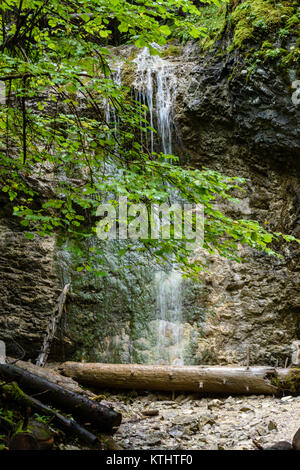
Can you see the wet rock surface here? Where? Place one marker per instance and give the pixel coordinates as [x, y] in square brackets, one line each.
[193, 423]
[243, 124]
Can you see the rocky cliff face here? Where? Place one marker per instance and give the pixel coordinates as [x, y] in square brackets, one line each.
[246, 124]
[225, 118]
[29, 287]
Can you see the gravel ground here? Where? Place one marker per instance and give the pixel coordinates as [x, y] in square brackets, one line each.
[193, 423]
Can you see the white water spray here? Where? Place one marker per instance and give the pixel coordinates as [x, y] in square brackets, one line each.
[155, 86]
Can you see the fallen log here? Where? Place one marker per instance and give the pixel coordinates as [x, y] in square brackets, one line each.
[51, 375]
[81, 407]
[13, 393]
[202, 379]
[23, 440]
[35, 436]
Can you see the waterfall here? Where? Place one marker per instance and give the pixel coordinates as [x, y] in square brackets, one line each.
[169, 346]
[155, 87]
[150, 299]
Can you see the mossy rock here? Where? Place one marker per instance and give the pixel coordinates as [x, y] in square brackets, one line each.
[253, 20]
[172, 51]
[128, 73]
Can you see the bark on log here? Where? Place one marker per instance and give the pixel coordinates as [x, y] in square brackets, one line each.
[35, 436]
[202, 379]
[79, 406]
[23, 440]
[52, 376]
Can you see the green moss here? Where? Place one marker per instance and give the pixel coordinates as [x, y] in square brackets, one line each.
[290, 383]
[172, 50]
[13, 391]
[282, 59]
[293, 21]
[233, 73]
[253, 20]
[128, 73]
[291, 59]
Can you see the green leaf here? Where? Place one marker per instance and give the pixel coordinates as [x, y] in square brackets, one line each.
[194, 32]
[85, 17]
[123, 27]
[29, 235]
[122, 252]
[104, 33]
[267, 238]
[101, 273]
[165, 30]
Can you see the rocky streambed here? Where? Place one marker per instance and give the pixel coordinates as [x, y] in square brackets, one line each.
[188, 422]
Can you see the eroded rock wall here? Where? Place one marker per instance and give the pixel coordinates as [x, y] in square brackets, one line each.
[29, 288]
[247, 125]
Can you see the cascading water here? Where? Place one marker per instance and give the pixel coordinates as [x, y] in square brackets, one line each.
[155, 87]
[169, 347]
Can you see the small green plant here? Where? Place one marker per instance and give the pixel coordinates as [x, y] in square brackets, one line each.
[42, 419]
[260, 24]
[283, 33]
[273, 53]
[8, 415]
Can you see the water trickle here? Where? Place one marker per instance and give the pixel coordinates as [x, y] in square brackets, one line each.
[110, 112]
[155, 87]
[169, 349]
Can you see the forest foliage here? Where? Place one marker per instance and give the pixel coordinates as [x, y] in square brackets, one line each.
[56, 147]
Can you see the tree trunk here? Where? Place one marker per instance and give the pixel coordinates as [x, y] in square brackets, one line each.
[202, 379]
[79, 406]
